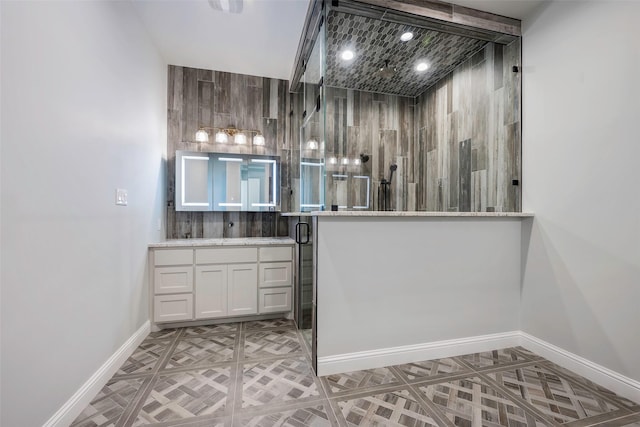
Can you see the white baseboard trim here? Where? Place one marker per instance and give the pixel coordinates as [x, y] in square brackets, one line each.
[81, 398]
[329, 365]
[618, 383]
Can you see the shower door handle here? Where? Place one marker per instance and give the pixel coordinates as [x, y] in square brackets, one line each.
[307, 234]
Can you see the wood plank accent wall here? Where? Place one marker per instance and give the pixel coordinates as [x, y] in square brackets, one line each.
[198, 98]
[457, 145]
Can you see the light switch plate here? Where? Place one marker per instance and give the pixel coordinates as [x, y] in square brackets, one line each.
[121, 197]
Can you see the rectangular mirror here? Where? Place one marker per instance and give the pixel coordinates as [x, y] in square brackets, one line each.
[227, 182]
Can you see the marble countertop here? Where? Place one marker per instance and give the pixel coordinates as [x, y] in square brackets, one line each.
[413, 214]
[240, 241]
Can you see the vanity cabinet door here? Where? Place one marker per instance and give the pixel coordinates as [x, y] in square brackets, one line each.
[242, 289]
[211, 291]
[172, 308]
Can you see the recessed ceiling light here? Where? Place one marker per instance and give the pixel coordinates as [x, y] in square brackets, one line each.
[405, 37]
[422, 66]
[347, 55]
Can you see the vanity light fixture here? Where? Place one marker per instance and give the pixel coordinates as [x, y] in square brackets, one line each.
[333, 160]
[357, 162]
[312, 144]
[344, 161]
[405, 37]
[240, 138]
[347, 55]
[222, 135]
[422, 66]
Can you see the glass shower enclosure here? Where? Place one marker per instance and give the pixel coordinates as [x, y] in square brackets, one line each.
[311, 151]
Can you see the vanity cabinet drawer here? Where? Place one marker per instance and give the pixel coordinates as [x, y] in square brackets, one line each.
[171, 308]
[173, 256]
[226, 255]
[277, 253]
[173, 280]
[274, 274]
[274, 300]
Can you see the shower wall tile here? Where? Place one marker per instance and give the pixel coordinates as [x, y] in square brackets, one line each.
[198, 98]
[479, 151]
[465, 176]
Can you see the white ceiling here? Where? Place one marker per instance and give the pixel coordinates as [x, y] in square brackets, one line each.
[518, 9]
[262, 40]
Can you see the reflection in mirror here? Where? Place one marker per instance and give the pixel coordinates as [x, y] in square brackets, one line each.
[262, 182]
[195, 169]
[340, 190]
[227, 196]
[311, 184]
[360, 185]
[226, 182]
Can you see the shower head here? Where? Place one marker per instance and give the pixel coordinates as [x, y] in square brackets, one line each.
[386, 71]
[392, 169]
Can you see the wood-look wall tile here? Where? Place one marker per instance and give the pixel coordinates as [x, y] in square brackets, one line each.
[268, 224]
[411, 196]
[454, 174]
[353, 145]
[190, 106]
[176, 80]
[172, 230]
[206, 92]
[266, 97]
[235, 230]
[270, 131]
[205, 75]
[238, 90]
[222, 95]
[449, 80]
[276, 98]
[253, 81]
[173, 134]
[465, 176]
[213, 225]
[197, 226]
[252, 224]
[253, 110]
[498, 69]
[281, 113]
[405, 124]
[183, 225]
[432, 181]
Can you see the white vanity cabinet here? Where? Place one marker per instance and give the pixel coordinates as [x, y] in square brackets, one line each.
[226, 282]
[172, 285]
[275, 279]
[220, 278]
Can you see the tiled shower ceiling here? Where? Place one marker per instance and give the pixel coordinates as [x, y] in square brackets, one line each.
[375, 41]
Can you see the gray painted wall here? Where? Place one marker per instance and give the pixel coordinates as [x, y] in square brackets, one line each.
[581, 271]
[83, 113]
[387, 282]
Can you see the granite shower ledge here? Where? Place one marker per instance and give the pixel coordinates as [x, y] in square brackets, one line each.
[239, 241]
[413, 214]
